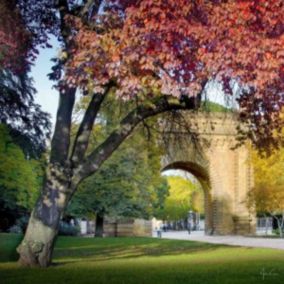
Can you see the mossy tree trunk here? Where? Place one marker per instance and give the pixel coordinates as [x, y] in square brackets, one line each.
[37, 247]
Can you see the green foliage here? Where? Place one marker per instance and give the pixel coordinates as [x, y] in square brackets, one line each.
[129, 183]
[267, 195]
[20, 178]
[30, 126]
[197, 200]
[180, 199]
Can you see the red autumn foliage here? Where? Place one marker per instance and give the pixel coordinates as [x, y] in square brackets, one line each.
[24, 26]
[14, 38]
[172, 46]
[161, 47]
[179, 43]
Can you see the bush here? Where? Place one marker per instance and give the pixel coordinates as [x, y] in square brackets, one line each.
[66, 229]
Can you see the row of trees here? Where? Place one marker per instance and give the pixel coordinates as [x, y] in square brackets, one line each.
[129, 183]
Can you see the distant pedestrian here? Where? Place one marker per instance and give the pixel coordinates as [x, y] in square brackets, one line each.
[189, 227]
[159, 232]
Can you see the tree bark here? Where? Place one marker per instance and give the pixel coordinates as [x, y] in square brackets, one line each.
[61, 137]
[82, 138]
[279, 227]
[99, 226]
[37, 247]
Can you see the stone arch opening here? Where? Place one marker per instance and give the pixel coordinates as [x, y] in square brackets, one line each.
[202, 176]
[224, 171]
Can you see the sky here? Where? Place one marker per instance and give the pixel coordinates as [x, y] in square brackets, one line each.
[46, 96]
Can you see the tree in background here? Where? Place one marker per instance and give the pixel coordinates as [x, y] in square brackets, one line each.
[197, 200]
[180, 199]
[129, 184]
[20, 178]
[267, 196]
[158, 54]
[24, 126]
[29, 124]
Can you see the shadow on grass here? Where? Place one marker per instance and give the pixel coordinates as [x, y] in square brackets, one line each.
[76, 249]
[125, 249]
[146, 261]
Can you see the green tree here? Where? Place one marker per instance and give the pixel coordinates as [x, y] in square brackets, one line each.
[129, 183]
[179, 201]
[20, 178]
[197, 200]
[18, 109]
[267, 196]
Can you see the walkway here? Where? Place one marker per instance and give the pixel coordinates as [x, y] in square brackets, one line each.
[229, 240]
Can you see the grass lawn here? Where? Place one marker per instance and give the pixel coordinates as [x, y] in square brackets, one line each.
[144, 260]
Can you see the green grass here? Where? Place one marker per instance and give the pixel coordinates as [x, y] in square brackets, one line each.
[208, 106]
[144, 260]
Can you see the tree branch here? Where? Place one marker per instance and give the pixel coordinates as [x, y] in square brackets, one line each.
[61, 137]
[90, 8]
[86, 126]
[63, 11]
[127, 125]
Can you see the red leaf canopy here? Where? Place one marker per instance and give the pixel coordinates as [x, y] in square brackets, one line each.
[173, 45]
[14, 38]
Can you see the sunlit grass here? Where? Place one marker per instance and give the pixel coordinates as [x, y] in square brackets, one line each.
[144, 260]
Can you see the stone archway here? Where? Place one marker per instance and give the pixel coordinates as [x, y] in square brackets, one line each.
[225, 174]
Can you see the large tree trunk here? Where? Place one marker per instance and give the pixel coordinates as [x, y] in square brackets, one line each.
[37, 246]
[99, 226]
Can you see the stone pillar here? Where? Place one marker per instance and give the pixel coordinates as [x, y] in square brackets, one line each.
[244, 219]
[231, 179]
[221, 181]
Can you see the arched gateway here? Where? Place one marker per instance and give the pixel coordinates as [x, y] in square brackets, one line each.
[225, 174]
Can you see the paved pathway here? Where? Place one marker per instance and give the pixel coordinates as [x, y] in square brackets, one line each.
[229, 240]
